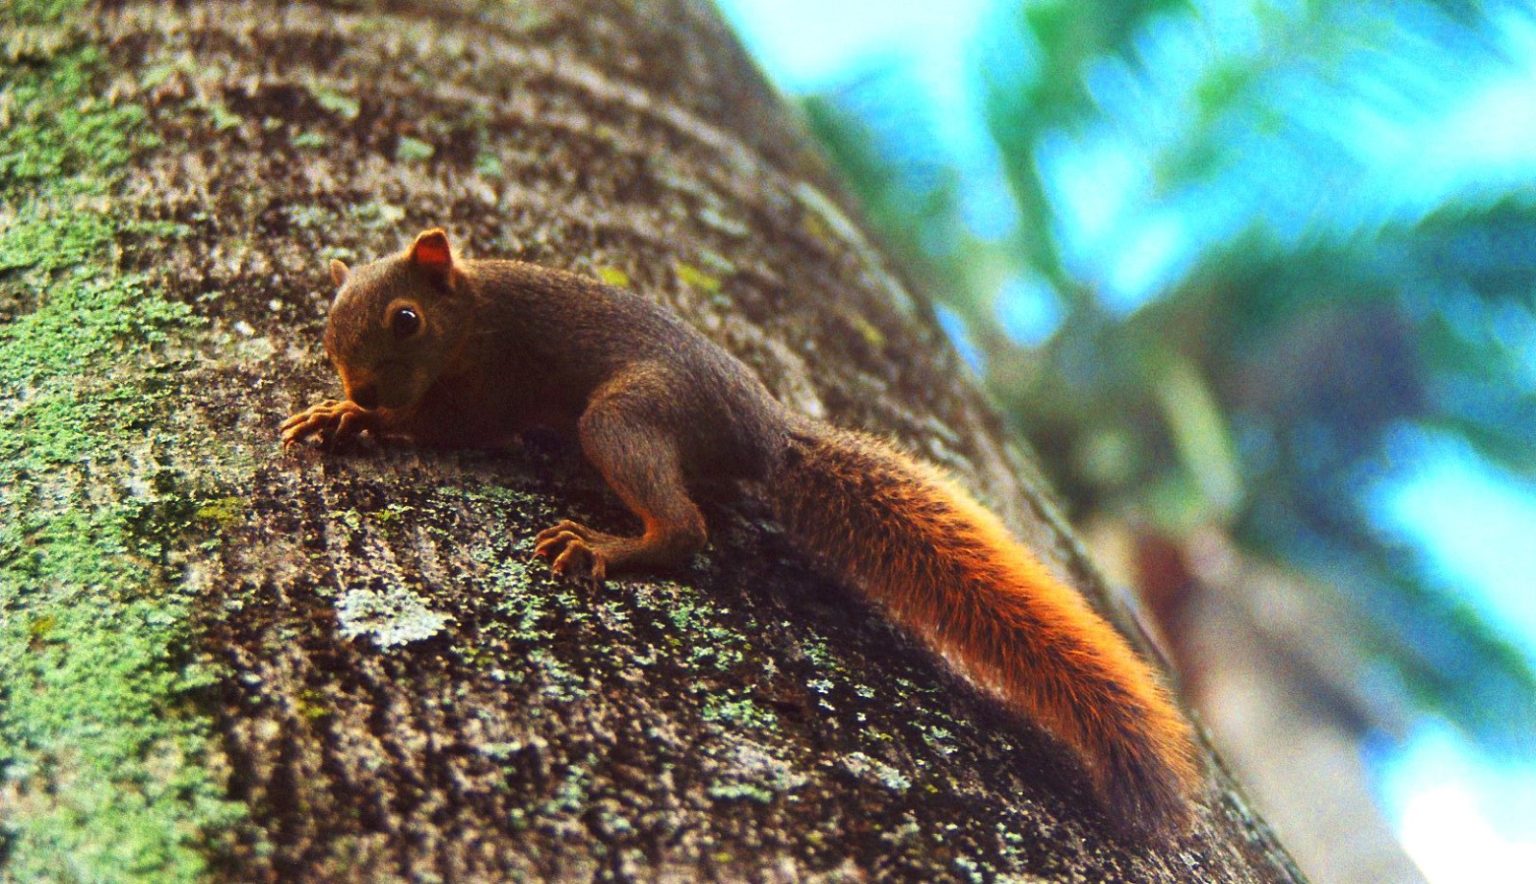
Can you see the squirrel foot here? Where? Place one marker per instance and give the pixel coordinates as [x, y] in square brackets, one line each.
[336, 423]
[575, 550]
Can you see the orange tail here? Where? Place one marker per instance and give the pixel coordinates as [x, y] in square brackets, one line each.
[947, 570]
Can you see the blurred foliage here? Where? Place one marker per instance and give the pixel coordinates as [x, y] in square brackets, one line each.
[1269, 256]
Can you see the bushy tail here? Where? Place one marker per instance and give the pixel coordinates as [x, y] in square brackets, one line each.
[947, 570]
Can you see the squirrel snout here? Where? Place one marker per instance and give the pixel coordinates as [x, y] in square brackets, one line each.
[366, 396]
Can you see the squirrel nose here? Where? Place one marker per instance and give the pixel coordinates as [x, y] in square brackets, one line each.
[366, 396]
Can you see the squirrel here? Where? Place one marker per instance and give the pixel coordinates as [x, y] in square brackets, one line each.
[469, 353]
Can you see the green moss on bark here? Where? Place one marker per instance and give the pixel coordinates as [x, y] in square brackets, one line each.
[104, 760]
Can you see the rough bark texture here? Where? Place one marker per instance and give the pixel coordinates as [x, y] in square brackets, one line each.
[221, 659]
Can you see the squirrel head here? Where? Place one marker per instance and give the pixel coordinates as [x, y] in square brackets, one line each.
[397, 324]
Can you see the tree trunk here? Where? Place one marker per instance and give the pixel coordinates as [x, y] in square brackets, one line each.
[222, 660]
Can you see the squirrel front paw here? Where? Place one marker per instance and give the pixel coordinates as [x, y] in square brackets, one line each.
[335, 423]
[575, 550]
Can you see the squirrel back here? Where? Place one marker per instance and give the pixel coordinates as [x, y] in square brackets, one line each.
[947, 570]
[465, 353]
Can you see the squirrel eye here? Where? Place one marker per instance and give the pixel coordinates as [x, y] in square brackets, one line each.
[405, 322]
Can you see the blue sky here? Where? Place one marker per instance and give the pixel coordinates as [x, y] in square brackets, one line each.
[1471, 525]
[1474, 132]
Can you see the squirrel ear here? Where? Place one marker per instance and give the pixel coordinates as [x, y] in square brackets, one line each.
[431, 253]
[338, 272]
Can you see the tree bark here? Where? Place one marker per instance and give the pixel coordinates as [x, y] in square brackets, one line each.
[300, 666]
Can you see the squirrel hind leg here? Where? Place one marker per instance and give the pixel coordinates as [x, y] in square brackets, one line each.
[640, 462]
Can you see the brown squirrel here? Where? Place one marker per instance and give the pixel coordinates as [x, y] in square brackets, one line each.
[466, 353]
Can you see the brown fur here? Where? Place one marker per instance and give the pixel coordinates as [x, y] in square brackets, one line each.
[946, 569]
[502, 345]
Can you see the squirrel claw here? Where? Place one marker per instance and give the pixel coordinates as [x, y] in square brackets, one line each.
[307, 415]
[574, 551]
[579, 560]
[564, 526]
[554, 544]
[335, 423]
